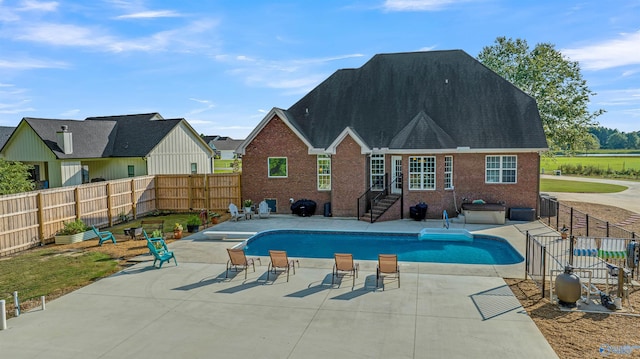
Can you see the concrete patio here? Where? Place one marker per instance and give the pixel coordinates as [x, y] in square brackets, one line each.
[193, 311]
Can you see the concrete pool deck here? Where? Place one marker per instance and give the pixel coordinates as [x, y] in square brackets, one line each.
[192, 311]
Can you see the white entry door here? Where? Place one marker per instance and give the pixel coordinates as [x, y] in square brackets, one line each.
[396, 172]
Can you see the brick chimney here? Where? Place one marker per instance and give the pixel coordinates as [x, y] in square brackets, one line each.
[65, 140]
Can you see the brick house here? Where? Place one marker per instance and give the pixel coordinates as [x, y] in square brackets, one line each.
[435, 127]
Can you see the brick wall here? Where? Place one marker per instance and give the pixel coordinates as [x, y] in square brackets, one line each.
[469, 183]
[350, 180]
[277, 140]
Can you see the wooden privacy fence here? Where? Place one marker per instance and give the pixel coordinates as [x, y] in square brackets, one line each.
[32, 218]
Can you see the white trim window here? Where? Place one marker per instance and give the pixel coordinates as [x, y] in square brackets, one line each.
[448, 172]
[324, 173]
[377, 172]
[422, 173]
[278, 167]
[501, 169]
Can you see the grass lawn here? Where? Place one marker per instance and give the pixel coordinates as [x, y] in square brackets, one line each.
[39, 272]
[614, 163]
[52, 272]
[224, 166]
[554, 185]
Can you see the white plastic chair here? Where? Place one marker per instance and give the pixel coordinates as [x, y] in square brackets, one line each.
[264, 210]
[233, 209]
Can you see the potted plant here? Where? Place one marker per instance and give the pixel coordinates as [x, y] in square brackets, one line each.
[214, 217]
[193, 223]
[74, 231]
[156, 233]
[247, 205]
[177, 231]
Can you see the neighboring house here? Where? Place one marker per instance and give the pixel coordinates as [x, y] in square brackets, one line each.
[71, 152]
[226, 147]
[440, 123]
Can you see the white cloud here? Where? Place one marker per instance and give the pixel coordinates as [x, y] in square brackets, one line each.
[32, 5]
[207, 106]
[182, 39]
[627, 97]
[419, 5]
[622, 51]
[298, 76]
[28, 64]
[70, 113]
[150, 14]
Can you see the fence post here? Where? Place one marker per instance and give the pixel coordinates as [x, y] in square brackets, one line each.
[134, 209]
[607, 229]
[526, 254]
[40, 218]
[76, 195]
[571, 222]
[543, 250]
[586, 216]
[557, 214]
[109, 205]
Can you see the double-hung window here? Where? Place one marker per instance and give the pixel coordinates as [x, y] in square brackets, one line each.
[501, 169]
[448, 172]
[422, 173]
[377, 172]
[324, 173]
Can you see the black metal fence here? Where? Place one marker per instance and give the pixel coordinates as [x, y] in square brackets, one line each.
[558, 215]
[546, 255]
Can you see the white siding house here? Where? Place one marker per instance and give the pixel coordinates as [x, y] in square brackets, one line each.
[71, 152]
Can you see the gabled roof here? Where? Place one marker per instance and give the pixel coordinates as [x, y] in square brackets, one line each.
[420, 100]
[101, 137]
[5, 133]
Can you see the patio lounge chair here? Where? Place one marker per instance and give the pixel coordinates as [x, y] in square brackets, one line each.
[237, 258]
[279, 260]
[160, 252]
[104, 236]
[264, 210]
[387, 264]
[585, 246]
[344, 263]
[233, 210]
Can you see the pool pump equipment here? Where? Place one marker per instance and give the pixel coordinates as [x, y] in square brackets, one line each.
[568, 287]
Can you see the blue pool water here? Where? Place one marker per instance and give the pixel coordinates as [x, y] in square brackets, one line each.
[478, 249]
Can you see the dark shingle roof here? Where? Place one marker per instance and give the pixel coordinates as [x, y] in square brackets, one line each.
[420, 100]
[227, 144]
[5, 133]
[100, 137]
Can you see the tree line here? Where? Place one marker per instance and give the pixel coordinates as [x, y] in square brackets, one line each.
[607, 138]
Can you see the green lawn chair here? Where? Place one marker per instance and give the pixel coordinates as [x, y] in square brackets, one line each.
[160, 252]
[104, 236]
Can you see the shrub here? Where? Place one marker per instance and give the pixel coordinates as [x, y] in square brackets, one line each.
[194, 221]
[74, 227]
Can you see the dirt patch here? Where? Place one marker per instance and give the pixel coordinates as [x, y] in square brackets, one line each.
[580, 334]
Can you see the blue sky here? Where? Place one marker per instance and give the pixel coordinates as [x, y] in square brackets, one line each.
[222, 65]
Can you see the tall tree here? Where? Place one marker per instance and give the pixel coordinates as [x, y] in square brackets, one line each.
[554, 81]
[14, 177]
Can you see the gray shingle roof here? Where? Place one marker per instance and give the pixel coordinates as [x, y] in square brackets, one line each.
[101, 137]
[5, 133]
[227, 144]
[420, 100]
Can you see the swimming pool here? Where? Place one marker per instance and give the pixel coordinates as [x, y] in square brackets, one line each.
[410, 247]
